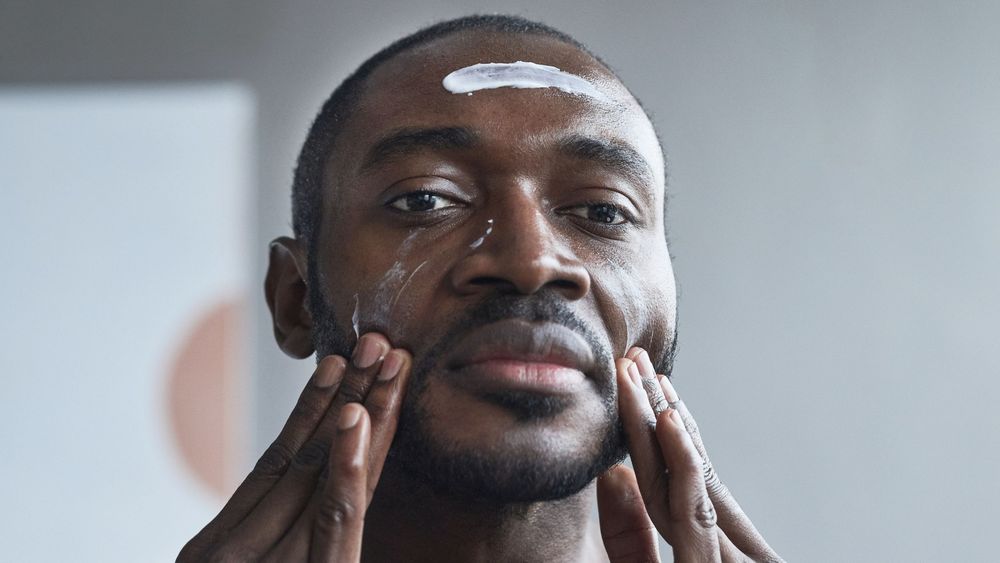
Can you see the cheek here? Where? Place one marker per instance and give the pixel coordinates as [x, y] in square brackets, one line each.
[640, 305]
[393, 298]
[394, 292]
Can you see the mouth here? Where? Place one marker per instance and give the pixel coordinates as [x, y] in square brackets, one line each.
[516, 356]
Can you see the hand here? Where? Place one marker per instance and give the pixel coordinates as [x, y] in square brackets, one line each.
[674, 490]
[289, 508]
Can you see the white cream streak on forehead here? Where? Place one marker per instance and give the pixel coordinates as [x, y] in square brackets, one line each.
[520, 74]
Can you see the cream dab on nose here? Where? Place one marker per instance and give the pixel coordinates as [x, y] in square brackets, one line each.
[520, 74]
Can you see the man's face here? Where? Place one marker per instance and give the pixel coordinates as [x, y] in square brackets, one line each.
[513, 241]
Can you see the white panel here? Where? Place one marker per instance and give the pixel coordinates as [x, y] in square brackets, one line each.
[123, 214]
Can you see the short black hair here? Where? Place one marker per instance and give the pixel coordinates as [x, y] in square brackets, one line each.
[307, 185]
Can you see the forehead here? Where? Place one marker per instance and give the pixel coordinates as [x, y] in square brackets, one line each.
[407, 92]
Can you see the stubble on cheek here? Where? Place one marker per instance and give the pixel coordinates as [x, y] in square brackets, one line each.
[639, 309]
[379, 298]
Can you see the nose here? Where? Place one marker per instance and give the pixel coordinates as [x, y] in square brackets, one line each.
[522, 254]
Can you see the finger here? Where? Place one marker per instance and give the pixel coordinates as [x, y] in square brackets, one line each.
[627, 531]
[692, 515]
[639, 424]
[732, 519]
[359, 375]
[339, 519]
[650, 383]
[297, 484]
[278, 510]
[383, 404]
[730, 553]
[312, 404]
[358, 378]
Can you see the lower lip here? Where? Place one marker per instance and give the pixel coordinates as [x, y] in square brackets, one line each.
[512, 375]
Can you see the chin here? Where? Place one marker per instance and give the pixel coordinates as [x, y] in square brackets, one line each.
[521, 455]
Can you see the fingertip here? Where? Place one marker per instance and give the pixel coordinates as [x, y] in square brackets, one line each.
[350, 416]
[671, 419]
[329, 371]
[352, 441]
[621, 364]
[333, 360]
[392, 365]
[668, 389]
[626, 367]
[370, 349]
[645, 364]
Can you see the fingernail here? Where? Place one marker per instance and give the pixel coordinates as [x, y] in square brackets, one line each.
[645, 364]
[668, 389]
[633, 372]
[390, 366]
[329, 371]
[367, 352]
[349, 417]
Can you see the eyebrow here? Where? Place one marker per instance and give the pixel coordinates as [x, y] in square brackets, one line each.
[402, 142]
[617, 157]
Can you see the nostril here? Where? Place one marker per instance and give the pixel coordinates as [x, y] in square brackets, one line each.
[504, 285]
[564, 284]
[489, 281]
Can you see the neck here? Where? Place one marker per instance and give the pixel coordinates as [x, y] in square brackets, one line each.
[408, 521]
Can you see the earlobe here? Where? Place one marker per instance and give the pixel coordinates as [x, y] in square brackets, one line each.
[287, 297]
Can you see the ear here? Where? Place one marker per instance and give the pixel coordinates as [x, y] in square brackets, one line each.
[287, 297]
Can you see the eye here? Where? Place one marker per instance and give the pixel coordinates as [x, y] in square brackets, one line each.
[421, 202]
[603, 213]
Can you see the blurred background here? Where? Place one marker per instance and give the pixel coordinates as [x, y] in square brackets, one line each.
[834, 218]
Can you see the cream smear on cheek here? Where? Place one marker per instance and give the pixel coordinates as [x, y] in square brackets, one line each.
[379, 308]
[479, 241]
[376, 308]
[520, 74]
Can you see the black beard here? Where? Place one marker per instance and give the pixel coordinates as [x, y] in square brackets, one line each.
[497, 477]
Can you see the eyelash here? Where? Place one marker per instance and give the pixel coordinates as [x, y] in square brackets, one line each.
[628, 219]
[390, 204]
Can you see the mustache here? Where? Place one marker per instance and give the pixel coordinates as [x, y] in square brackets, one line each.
[544, 306]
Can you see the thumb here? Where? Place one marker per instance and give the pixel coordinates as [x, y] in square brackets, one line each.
[627, 531]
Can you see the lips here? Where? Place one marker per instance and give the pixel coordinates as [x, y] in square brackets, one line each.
[517, 355]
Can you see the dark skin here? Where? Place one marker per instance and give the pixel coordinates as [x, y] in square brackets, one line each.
[403, 249]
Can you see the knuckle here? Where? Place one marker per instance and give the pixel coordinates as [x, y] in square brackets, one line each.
[704, 513]
[274, 460]
[312, 455]
[659, 403]
[709, 472]
[692, 429]
[354, 389]
[307, 409]
[336, 511]
[349, 469]
[716, 488]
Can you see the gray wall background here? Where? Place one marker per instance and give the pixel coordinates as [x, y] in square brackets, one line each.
[834, 221]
